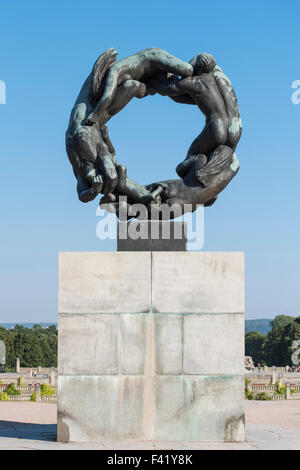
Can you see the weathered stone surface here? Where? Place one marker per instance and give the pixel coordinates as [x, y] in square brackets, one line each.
[133, 343]
[168, 344]
[204, 408]
[213, 344]
[198, 282]
[92, 408]
[103, 282]
[170, 371]
[88, 344]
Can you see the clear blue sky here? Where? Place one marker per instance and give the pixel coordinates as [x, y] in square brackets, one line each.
[48, 49]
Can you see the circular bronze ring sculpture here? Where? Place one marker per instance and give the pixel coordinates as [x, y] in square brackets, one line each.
[210, 163]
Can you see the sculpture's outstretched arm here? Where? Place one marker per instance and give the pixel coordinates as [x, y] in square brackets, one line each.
[166, 87]
[170, 85]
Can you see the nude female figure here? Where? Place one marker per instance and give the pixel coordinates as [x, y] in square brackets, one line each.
[89, 148]
[140, 66]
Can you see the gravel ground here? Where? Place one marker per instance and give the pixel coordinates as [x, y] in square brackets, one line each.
[283, 413]
[28, 412]
[269, 426]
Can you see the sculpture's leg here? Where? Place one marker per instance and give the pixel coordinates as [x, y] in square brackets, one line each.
[220, 159]
[125, 93]
[213, 135]
[211, 202]
[183, 168]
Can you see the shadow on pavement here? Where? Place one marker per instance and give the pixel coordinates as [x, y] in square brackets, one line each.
[39, 432]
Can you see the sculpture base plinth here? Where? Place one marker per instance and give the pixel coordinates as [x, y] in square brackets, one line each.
[152, 235]
[151, 346]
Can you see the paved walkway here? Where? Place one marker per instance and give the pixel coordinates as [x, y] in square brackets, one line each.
[270, 426]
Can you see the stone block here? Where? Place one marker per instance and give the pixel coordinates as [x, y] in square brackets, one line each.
[93, 408]
[133, 343]
[168, 344]
[213, 344]
[199, 408]
[104, 282]
[151, 346]
[88, 344]
[198, 282]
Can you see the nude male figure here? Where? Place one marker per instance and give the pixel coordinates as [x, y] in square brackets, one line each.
[232, 109]
[212, 92]
[141, 67]
[202, 89]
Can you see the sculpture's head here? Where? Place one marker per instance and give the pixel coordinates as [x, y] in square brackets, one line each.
[203, 63]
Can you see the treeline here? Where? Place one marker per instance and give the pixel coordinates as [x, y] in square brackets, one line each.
[35, 347]
[38, 346]
[275, 348]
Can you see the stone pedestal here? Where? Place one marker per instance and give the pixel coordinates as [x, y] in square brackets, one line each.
[152, 235]
[151, 346]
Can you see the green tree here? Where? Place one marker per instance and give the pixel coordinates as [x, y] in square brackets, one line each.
[278, 345]
[28, 349]
[49, 347]
[35, 347]
[254, 342]
[38, 330]
[52, 330]
[271, 348]
[290, 334]
[280, 321]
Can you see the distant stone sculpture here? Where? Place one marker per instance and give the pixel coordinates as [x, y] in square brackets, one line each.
[2, 356]
[249, 364]
[210, 163]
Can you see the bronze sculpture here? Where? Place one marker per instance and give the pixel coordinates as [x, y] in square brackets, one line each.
[210, 163]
